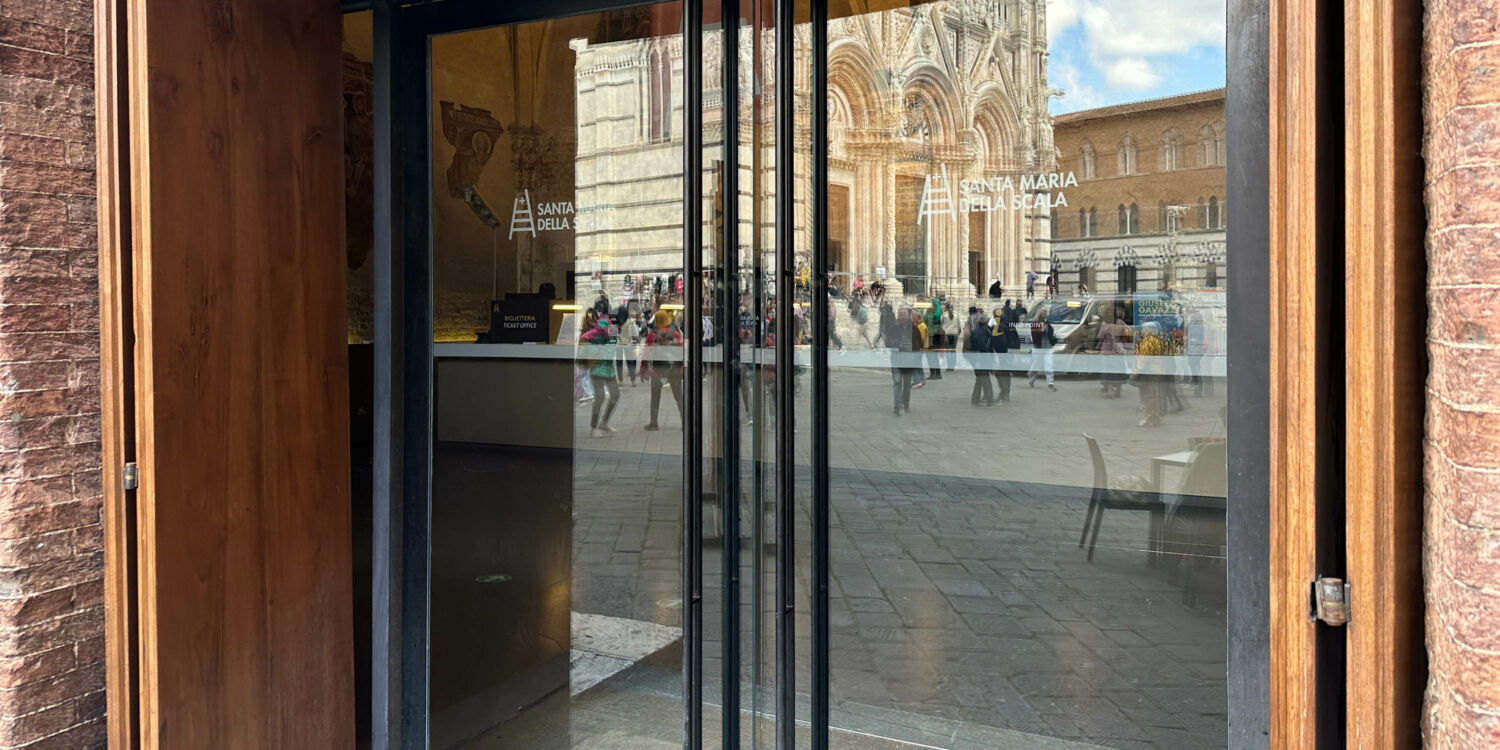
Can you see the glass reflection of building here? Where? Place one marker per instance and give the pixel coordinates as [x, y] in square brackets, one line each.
[952, 89]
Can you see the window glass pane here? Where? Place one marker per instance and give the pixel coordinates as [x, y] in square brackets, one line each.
[557, 208]
[1027, 381]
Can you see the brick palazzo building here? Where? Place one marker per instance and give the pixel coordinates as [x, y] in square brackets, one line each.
[1149, 210]
[52, 571]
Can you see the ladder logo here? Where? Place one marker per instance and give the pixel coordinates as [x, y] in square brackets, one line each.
[937, 196]
[520, 215]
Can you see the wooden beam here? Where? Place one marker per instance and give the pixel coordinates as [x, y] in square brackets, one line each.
[1291, 314]
[1385, 275]
[115, 366]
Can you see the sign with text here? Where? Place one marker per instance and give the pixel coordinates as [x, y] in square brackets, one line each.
[1022, 192]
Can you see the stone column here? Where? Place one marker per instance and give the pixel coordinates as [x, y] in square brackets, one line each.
[1462, 444]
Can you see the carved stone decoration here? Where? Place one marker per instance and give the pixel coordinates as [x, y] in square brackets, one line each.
[359, 151]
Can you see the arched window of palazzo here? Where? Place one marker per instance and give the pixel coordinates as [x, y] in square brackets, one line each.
[1088, 161]
[1212, 139]
[1126, 156]
[660, 98]
[1171, 148]
[1213, 213]
[1093, 222]
[1124, 219]
[1083, 223]
[1135, 219]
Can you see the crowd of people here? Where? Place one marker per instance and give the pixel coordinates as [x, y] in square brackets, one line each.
[642, 340]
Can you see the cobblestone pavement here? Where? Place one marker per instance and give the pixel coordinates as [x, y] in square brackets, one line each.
[960, 594]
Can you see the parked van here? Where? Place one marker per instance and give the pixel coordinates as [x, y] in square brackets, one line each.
[1173, 312]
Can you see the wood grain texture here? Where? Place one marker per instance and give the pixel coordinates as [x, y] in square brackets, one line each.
[1293, 386]
[115, 365]
[1385, 275]
[243, 437]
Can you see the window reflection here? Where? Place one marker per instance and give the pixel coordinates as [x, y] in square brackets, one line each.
[556, 596]
[1027, 403]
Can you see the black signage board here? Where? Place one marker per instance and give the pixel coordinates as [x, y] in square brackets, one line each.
[517, 319]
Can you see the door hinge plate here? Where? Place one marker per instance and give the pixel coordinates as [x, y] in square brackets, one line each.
[1330, 601]
[132, 476]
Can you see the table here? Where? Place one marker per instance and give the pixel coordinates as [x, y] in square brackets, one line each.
[1180, 459]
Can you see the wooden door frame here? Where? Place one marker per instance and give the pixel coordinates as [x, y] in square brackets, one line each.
[1383, 269]
[1385, 276]
[1346, 218]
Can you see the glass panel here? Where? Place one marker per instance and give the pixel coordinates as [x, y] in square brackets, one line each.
[556, 594]
[1027, 426]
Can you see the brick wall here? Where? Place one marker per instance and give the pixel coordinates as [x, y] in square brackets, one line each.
[51, 560]
[1462, 113]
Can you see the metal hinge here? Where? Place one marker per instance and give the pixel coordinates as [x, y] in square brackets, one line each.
[1330, 601]
[132, 476]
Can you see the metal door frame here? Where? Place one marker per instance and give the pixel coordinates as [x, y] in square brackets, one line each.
[403, 365]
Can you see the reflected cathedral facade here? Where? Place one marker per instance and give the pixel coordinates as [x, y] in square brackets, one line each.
[952, 91]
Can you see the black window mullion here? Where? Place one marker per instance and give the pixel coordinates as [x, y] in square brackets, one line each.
[389, 670]
[692, 433]
[786, 474]
[820, 321]
[729, 474]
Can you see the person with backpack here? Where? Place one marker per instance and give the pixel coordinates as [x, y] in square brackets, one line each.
[859, 311]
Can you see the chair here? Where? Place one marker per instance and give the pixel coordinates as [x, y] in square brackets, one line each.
[1107, 497]
[1197, 523]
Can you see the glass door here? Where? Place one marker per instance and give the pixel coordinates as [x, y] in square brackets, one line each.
[560, 314]
[762, 390]
[1026, 470]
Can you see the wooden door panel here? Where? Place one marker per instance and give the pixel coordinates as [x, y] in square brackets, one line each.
[240, 373]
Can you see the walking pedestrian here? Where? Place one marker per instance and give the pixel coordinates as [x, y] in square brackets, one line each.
[998, 345]
[1114, 340]
[603, 375]
[1043, 338]
[918, 345]
[952, 331]
[859, 311]
[1030, 283]
[663, 355]
[902, 339]
[977, 350]
[936, 340]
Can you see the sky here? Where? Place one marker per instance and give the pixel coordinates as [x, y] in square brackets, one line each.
[1107, 52]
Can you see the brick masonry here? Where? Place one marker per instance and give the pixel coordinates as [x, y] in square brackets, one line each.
[51, 559]
[51, 565]
[1462, 113]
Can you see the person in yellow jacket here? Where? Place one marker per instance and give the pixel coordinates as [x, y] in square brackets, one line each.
[1153, 365]
[919, 344]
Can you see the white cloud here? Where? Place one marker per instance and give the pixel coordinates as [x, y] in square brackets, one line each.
[1121, 38]
[1061, 15]
[1131, 27]
[1131, 73]
[1077, 95]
